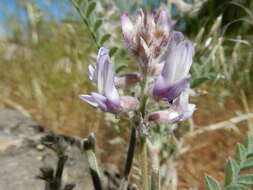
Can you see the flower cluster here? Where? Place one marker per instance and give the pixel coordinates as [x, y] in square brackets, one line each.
[165, 59]
[148, 36]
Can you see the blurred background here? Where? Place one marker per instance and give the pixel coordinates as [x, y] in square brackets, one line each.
[45, 49]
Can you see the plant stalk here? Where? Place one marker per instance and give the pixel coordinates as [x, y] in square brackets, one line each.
[88, 147]
[153, 153]
[129, 160]
[143, 143]
[86, 22]
[144, 163]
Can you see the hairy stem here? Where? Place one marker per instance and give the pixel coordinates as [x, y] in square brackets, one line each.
[144, 163]
[154, 163]
[144, 156]
[143, 96]
[88, 147]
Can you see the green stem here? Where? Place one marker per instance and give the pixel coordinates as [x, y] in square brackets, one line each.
[155, 180]
[143, 96]
[130, 156]
[144, 163]
[144, 156]
[88, 147]
[85, 20]
[154, 159]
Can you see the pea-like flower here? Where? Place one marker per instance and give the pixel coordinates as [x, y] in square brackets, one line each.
[148, 35]
[107, 98]
[179, 111]
[173, 79]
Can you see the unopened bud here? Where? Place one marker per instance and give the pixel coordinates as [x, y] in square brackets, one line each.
[129, 103]
[164, 117]
[126, 80]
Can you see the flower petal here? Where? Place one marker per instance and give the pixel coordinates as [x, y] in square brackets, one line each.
[89, 99]
[186, 53]
[176, 38]
[165, 23]
[92, 76]
[188, 112]
[102, 59]
[173, 79]
[182, 105]
[171, 92]
[127, 27]
[156, 69]
[109, 88]
[101, 101]
[165, 116]
[179, 111]
[95, 73]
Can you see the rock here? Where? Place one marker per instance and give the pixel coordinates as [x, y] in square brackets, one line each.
[21, 156]
[14, 123]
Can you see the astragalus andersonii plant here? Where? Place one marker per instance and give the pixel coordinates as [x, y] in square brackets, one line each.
[161, 86]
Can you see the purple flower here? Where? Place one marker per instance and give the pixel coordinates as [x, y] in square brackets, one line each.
[147, 35]
[107, 98]
[179, 111]
[174, 76]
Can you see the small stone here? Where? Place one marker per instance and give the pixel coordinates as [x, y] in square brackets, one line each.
[40, 147]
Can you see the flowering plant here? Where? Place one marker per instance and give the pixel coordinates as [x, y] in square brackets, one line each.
[164, 58]
[155, 99]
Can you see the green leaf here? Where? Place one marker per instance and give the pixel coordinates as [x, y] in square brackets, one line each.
[236, 187]
[249, 143]
[120, 68]
[241, 154]
[113, 51]
[90, 8]
[76, 2]
[246, 179]
[249, 154]
[247, 164]
[104, 38]
[97, 24]
[211, 183]
[198, 81]
[231, 172]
